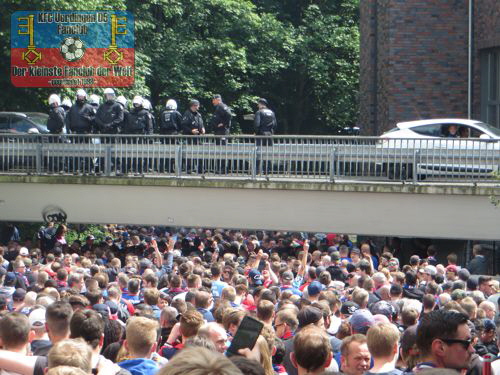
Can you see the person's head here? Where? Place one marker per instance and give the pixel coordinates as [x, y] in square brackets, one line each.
[196, 361]
[262, 103]
[88, 325]
[141, 336]
[217, 334]
[194, 105]
[15, 331]
[109, 94]
[477, 250]
[247, 366]
[216, 99]
[71, 352]
[487, 330]
[355, 355]
[485, 285]
[285, 322]
[66, 370]
[265, 310]
[312, 352]
[360, 296]
[383, 341]
[444, 337]
[232, 318]
[190, 323]
[488, 308]
[202, 299]
[58, 316]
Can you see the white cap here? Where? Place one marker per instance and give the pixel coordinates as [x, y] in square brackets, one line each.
[54, 98]
[122, 100]
[37, 318]
[67, 102]
[24, 251]
[109, 91]
[81, 92]
[94, 99]
[171, 104]
[137, 100]
[146, 104]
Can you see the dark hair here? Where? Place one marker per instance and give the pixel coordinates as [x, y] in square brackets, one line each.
[58, 316]
[411, 278]
[14, 329]
[133, 285]
[89, 325]
[396, 290]
[247, 366]
[438, 324]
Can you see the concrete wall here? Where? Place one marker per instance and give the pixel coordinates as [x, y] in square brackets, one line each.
[371, 209]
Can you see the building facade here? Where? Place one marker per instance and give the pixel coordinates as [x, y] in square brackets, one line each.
[415, 61]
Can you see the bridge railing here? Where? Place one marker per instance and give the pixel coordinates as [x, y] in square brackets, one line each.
[252, 157]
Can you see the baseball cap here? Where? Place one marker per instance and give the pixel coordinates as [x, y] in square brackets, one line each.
[409, 337]
[489, 325]
[90, 237]
[37, 318]
[348, 308]
[361, 320]
[256, 277]
[355, 250]
[19, 294]
[287, 275]
[452, 268]
[23, 251]
[102, 309]
[10, 278]
[314, 288]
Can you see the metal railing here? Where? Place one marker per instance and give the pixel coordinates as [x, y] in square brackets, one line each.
[277, 157]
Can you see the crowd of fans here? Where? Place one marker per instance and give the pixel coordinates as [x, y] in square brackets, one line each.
[146, 301]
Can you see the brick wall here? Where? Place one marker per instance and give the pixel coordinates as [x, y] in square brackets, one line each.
[421, 61]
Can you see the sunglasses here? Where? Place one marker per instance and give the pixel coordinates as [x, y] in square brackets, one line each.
[465, 343]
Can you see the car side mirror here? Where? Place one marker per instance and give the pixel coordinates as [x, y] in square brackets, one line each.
[33, 131]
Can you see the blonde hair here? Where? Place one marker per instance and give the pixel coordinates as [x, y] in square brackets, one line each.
[381, 339]
[71, 352]
[66, 370]
[199, 361]
[141, 335]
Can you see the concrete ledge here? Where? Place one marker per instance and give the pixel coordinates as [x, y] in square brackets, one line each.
[479, 189]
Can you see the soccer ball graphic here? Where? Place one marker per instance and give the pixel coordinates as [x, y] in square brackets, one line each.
[72, 49]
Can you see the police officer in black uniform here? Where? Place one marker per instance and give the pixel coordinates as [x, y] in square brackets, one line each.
[55, 122]
[79, 121]
[170, 119]
[264, 123]
[109, 116]
[192, 122]
[221, 120]
[139, 120]
[80, 116]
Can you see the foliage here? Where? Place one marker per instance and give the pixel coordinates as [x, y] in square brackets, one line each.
[80, 232]
[300, 55]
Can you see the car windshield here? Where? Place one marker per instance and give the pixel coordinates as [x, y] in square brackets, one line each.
[491, 129]
[38, 118]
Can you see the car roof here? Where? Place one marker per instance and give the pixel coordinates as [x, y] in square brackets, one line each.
[14, 113]
[460, 121]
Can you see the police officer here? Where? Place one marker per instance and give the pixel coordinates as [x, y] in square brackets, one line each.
[123, 102]
[192, 122]
[109, 116]
[80, 116]
[55, 123]
[265, 120]
[146, 104]
[170, 119]
[221, 120]
[139, 120]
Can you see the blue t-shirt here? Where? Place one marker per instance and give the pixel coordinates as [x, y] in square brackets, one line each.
[217, 287]
[140, 366]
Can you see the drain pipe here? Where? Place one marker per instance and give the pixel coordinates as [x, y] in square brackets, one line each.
[469, 63]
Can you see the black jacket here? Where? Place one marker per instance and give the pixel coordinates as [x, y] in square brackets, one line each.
[109, 117]
[190, 121]
[79, 118]
[139, 122]
[478, 265]
[170, 122]
[55, 123]
[222, 116]
[265, 122]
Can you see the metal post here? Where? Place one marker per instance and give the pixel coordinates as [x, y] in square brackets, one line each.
[253, 163]
[333, 158]
[416, 157]
[39, 158]
[178, 161]
[107, 161]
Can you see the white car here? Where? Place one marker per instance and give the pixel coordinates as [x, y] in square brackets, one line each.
[456, 148]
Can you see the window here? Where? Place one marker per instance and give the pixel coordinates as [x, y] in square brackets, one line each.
[21, 124]
[490, 86]
[4, 122]
[433, 130]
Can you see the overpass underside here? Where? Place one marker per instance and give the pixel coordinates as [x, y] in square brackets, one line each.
[435, 210]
